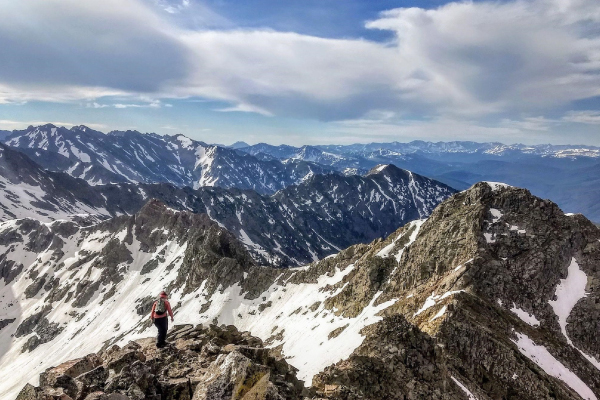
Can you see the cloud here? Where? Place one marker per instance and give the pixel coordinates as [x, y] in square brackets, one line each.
[463, 60]
[517, 55]
[10, 125]
[583, 117]
[148, 104]
[152, 104]
[96, 105]
[530, 123]
[75, 47]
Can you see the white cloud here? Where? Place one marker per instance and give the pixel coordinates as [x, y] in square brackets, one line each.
[152, 104]
[518, 55]
[530, 123]
[245, 108]
[583, 117]
[96, 105]
[462, 61]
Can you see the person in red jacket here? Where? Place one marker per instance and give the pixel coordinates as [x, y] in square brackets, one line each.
[160, 308]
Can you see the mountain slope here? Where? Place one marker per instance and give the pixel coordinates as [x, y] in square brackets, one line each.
[495, 295]
[27, 190]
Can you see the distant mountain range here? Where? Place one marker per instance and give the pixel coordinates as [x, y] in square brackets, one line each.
[568, 175]
[131, 156]
[298, 224]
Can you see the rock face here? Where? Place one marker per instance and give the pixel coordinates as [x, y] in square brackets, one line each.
[200, 363]
[494, 296]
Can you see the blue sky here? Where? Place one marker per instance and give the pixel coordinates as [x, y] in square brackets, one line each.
[306, 71]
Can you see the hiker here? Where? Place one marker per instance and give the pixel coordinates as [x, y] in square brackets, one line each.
[160, 308]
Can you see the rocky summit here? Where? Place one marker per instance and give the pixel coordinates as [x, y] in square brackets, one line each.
[494, 296]
[200, 363]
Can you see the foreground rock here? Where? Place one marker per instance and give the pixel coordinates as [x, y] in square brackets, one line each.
[200, 363]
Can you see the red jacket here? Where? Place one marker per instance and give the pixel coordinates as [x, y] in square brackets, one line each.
[169, 311]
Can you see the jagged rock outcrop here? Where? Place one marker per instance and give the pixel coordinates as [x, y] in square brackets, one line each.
[200, 363]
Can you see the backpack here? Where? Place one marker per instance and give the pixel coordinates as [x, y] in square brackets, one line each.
[161, 307]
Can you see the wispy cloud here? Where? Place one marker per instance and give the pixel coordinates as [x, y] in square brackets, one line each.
[96, 105]
[248, 108]
[591, 117]
[11, 125]
[531, 123]
[149, 104]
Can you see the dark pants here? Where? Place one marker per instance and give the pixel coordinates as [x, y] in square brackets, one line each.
[163, 325]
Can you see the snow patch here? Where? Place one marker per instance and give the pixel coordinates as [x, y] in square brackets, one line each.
[546, 361]
[433, 299]
[489, 237]
[439, 314]
[568, 292]
[496, 214]
[497, 185]
[525, 316]
[464, 389]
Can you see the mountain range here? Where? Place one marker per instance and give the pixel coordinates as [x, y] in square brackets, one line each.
[493, 296]
[305, 222]
[568, 175]
[131, 156]
[565, 174]
[318, 272]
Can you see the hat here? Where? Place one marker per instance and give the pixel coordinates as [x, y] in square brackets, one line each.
[163, 294]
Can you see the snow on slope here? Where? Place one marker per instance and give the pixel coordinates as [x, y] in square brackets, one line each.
[85, 286]
[542, 357]
[82, 329]
[295, 319]
[29, 201]
[568, 293]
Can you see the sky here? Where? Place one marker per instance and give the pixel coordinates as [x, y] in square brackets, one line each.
[306, 71]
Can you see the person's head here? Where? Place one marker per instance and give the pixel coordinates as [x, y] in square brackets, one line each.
[163, 294]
